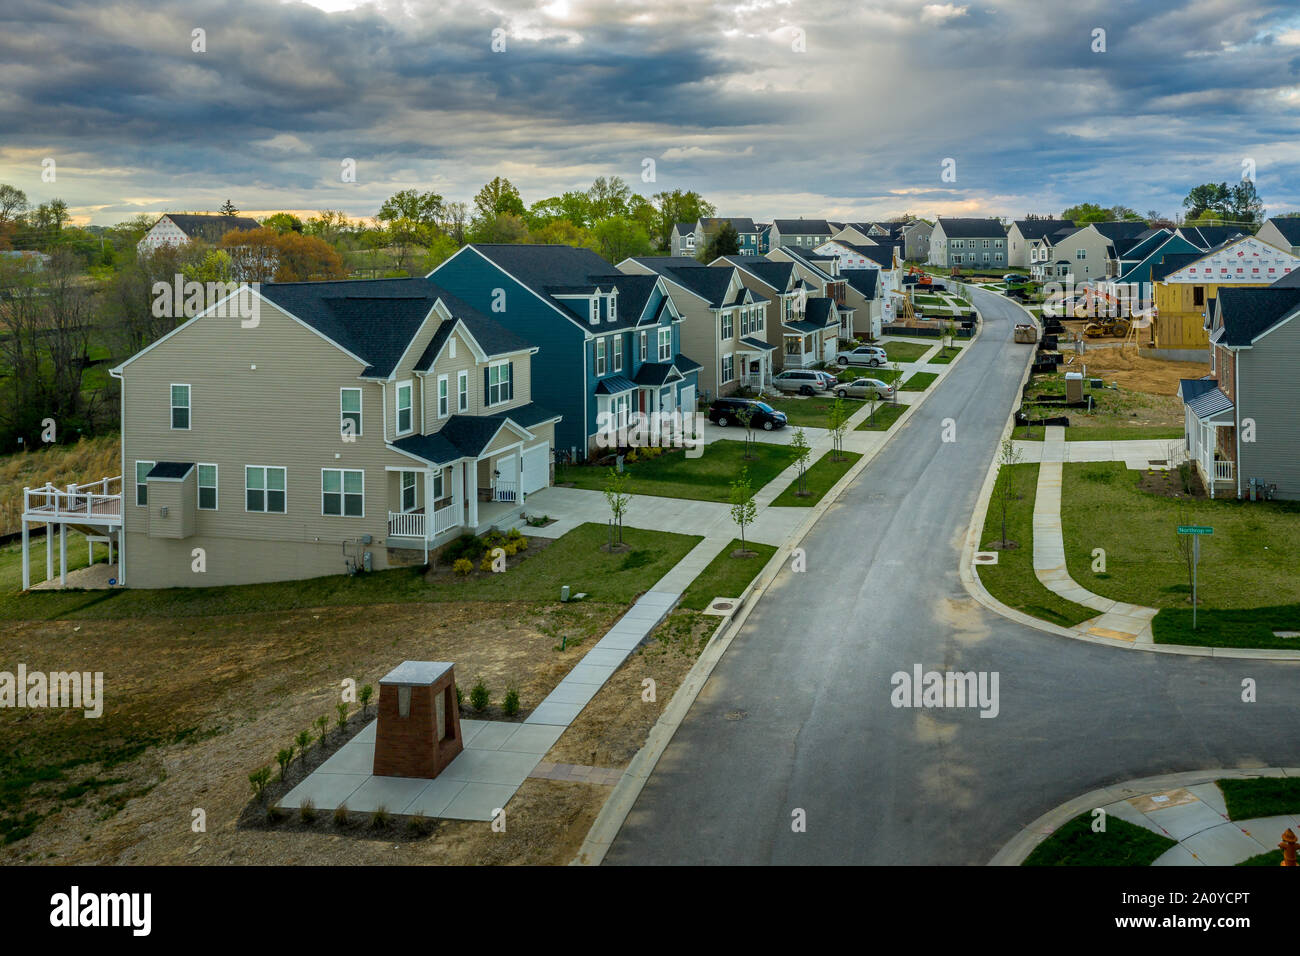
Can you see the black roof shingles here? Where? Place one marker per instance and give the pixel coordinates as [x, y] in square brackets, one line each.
[1249, 313]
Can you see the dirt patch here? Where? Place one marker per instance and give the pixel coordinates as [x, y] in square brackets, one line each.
[1138, 372]
[1169, 484]
[996, 545]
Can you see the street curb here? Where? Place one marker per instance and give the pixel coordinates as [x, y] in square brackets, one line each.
[975, 587]
[1018, 848]
[609, 821]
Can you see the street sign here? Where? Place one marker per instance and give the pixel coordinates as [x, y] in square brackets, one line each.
[1194, 529]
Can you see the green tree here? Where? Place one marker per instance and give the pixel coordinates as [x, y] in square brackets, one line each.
[837, 421]
[1210, 198]
[802, 453]
[743, 508]
[678, 206]
[1004, 486]
[724, 242]
[283, 222]
[1086, 212]
[423, 208]
[497, 198]
[608, 198]
[745, 415]
[228, 209]
[618, 237]
[618, 496]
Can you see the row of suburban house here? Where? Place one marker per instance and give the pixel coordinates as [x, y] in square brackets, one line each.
[691, 239]
[352, 424]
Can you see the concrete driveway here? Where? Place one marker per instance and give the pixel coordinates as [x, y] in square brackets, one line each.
[798, 715]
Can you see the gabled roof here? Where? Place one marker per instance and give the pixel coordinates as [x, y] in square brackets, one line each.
[798, 256]
[758, 344]
[972, 228]
[654, 374]
[1249, 313]
[209, 227]
[1171, 262]
[465, 436]
[1121, 229]
[863, 280]
[739, 223]
[775, 273]
[1190, 388]
[1207, 237]
[1149, 242]
[1207, 402]
[803, 227]
[376, 319]
[709, 283]
[1289, 226]
[882, 253]
[614, 385]
[1039, 228]
[818, 310]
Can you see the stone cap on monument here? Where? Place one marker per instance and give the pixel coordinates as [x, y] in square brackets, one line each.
[416, 673]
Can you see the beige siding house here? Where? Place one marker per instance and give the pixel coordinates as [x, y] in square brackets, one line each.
[344, 426]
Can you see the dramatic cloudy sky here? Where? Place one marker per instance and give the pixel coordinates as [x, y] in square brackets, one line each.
[839, 108]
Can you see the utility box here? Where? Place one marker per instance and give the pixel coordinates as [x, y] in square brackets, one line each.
[1074, 386]
[418, 731]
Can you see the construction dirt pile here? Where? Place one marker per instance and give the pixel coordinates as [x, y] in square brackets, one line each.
[1133, 370]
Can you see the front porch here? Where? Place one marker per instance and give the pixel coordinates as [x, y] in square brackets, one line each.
[1209, 430]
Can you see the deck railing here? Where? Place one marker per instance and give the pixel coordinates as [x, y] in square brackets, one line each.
[97, 502]
[505, 490]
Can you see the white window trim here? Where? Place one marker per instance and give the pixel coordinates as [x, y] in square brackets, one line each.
[397, 408]
[602, 363]
[488, 397]
[361, 404]
[189, 408]
[216, 488]
[139, 483]
[266, 490]
[342, 494]
[443, 399]
[593, 313]
[659, 345]
[462, 390]
[723, 378]
[644, 352]
[618, 353]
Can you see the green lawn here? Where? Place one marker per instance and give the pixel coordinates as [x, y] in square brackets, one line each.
[812, 411]
[1104, 432]
[574, 559]
[1247, 627]
[1249, 561]
[1012, 579]
[821, 477]
[11, 559]
[726, 576]
[919, 382]
[1260, 797]
[885, 415]
[706, 478]
[905, 351]
[1267, 858]
[1121, 844]
[945, 355]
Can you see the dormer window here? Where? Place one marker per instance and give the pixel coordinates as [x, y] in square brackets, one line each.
[613, 307]
[594, 314]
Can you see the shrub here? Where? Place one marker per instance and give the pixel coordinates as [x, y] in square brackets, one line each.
[486, 563]
[522, 543]
[284, 758]
[419, 824]
[380, 818]
[511, 549]
[307, 811]
[323, 726]
[460, 698]
[341, 710]
[463, 567]
[478, 695]
[367, 692]
[466, 546]
[511, 703]
[341, 815]
[259, 778]
[302, 740]
[514, 534]
[274, 814]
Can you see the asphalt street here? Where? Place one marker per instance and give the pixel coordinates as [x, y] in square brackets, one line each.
[797, 716]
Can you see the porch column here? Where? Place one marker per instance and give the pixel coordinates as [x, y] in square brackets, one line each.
[457, 493]
[27, 564]
[63, 555]
[49, 551]
[471, 494]
[519, 476]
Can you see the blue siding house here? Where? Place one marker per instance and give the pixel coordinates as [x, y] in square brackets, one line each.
[607, 342]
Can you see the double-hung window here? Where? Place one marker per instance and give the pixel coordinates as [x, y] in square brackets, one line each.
[343, 492]
[728, 368]
[444, 396]
[499, 386]
[600, 356]
[142, 469]
[728, 325]
[665, 345]
[618, 353]
[405, 417]
[180, 406]
[643, 346]
[208, 487]
[409, 481]
[462, 391]
[350, 411]
[264, 489]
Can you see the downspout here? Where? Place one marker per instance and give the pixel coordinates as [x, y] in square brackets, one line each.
[1236, 395]
[121, 534]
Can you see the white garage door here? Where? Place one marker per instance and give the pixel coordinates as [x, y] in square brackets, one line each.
[688, 400]
[536, 468]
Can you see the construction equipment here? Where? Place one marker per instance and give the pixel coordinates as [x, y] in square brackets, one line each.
[921, 277]
[1110, 326]
[1025, 332]
[905, 310]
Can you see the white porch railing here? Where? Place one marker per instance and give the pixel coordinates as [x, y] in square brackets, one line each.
[414, 524]
[99, 502]
[505, 490]
[1225, 470]
[800, 360]
[406, 524]
[444, 519]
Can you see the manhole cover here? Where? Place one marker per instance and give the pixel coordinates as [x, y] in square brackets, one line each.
[737, 714]
[723, 605]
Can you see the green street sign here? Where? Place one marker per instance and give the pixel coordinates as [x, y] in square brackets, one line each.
[1194, 529]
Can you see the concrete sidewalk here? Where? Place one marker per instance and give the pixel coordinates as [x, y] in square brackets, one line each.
[1116, 619]
[1186, 807]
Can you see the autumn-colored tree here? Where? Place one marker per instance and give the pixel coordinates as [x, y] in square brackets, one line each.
[306, 257]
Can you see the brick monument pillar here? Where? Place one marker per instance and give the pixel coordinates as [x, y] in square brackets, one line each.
[419, 722]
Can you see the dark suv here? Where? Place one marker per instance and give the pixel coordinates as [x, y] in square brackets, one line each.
[723, 413]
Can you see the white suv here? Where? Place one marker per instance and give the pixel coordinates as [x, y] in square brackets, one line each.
[871, 355]
[803, 381]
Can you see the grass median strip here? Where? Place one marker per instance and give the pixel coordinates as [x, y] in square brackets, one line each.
[884, 416]
[1260, 797]
[1120, 844]
[919, 382]
[726, 576]
[706, 478]
[821, 477]
[1012, 580]
[945, 355]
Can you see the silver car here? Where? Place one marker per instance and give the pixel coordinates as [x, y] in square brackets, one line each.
[865, 388]
[871, 355]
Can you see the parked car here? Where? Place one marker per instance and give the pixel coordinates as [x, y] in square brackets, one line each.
[725, 411]
[829, 379]
[872, 355]
[801, 380]
[865, 388]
